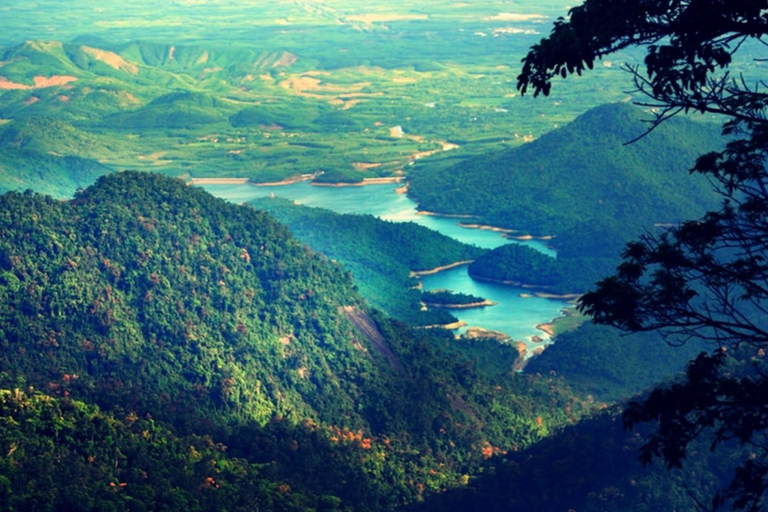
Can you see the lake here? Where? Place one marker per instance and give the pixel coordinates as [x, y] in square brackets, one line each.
[514, 315]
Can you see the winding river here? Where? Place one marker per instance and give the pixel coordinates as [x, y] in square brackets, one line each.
[516, 314]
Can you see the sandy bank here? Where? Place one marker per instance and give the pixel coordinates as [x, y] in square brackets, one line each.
[548, 328]
[524, 238]
[365, 182]
[508, 233]
[479, 332]
[287, 181]
[247, 181]
[419, 273]
[485, 227]
[450, 327]
[468, 305]
[559, 296]
[446, 215]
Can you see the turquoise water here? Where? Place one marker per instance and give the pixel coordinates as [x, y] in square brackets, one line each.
[514, 315]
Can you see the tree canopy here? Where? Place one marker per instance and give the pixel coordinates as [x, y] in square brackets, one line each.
[704, 279]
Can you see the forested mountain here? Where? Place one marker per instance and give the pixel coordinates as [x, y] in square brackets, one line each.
[580, 173]
[178, 314]
[600, 361]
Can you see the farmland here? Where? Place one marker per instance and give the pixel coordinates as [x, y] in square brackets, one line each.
[274, 90]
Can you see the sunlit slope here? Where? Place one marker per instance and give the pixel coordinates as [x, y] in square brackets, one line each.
[140, 277]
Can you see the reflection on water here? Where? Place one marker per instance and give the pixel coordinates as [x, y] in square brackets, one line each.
[514, 315]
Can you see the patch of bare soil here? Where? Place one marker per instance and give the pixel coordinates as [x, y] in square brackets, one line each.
[111, 59]
[41, 82]
[362, 166]
[285, 60]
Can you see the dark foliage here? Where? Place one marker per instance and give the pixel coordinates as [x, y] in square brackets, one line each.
[706, 279]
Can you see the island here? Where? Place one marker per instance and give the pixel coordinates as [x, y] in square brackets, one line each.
[449, 300]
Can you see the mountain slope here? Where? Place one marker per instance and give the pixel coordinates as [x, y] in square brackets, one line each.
[151, 299]
[140, 271]
[580, 173]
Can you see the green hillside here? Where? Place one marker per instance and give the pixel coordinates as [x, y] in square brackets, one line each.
[589, 467]
[151, 299]
[381, 255]
[580, 173]
[585, 258]
[59, 176]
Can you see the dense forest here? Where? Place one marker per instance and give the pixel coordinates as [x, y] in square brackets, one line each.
[154, 301]
[572, 272]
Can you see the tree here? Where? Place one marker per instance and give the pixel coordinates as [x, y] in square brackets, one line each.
[702, 279]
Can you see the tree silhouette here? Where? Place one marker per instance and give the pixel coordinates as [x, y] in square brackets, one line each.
[703, 279]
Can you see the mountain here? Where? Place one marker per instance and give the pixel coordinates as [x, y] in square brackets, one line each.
[144, 316]
[59, 176]
[580, 173]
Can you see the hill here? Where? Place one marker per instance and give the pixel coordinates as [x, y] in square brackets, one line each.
[578, 174]
[182, 315]
[59, 176]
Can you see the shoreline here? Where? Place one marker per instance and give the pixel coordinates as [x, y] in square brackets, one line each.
[217, 181]
[548, 327]
[419, 273]
[538, 294]
[523, 238]
[446, 215]
[287, 181]
[483, 333]
[365, 182]
[450, 327]
[468, 305]
[247, 181]
[506, 232]
[486, 227]
[558, 296]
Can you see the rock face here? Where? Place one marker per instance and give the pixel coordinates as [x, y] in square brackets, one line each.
[479, 332]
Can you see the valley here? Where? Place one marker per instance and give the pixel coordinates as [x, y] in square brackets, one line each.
[322, 255]
[308, 94]
[514, 315]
